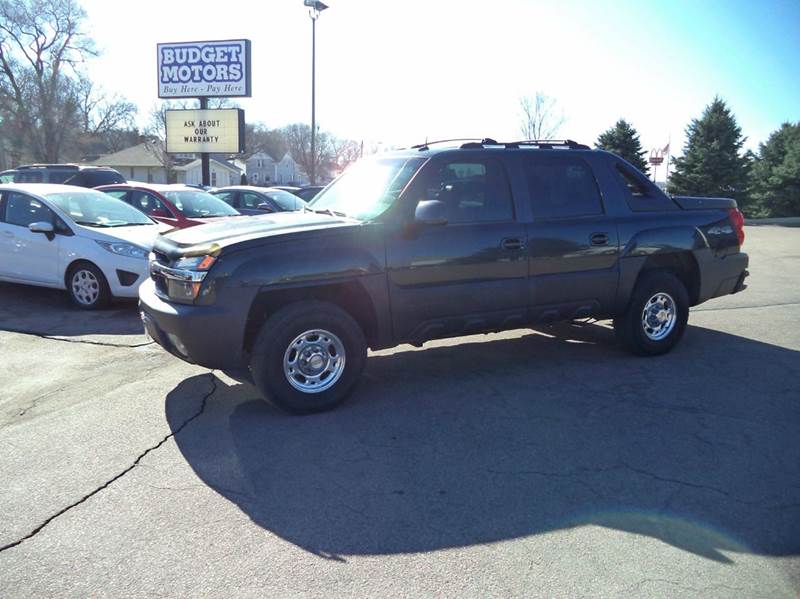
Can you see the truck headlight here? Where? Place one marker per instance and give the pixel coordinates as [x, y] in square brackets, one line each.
[123, 249]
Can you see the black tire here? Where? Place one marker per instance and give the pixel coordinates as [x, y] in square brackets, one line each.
[94, 277]
[630, 328]
[273, 345]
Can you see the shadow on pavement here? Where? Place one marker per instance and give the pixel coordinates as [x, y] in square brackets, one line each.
[43, 311]
[483, 442]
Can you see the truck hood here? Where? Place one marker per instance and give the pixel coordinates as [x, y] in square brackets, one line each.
[232, 231]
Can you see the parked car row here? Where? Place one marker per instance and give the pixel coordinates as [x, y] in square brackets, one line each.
[94, 243]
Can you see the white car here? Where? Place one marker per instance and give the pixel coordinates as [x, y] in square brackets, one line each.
[87, 242]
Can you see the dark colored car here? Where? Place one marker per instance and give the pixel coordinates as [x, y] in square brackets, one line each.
[179, 206]
[308, 193]
[438, 242]
[258, 200]
[67, 174]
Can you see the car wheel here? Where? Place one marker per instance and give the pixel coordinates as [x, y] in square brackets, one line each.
[308, 357]
[87, 286]
[656, 317]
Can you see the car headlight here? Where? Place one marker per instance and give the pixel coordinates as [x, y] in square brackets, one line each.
[123, 249]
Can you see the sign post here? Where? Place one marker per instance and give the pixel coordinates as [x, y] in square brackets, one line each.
[202, 70]
[656, 158]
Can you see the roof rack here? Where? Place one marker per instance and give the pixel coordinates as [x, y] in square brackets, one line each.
[542, 144]
[423, 147]
[43, 165]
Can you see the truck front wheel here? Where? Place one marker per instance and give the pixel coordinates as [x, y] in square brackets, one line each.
[656, 317]
[308, 357]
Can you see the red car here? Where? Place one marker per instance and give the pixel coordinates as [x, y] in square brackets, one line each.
[178, 206]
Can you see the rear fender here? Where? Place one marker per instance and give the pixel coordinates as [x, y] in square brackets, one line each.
[672, 248]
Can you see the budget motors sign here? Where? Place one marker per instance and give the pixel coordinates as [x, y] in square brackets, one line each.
[198, 131]
[204, 69]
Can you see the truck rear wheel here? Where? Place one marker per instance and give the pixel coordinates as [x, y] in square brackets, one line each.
[656, 317]
[308, 357]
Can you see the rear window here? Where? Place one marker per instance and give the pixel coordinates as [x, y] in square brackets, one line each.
[198, 204]
[59, 176]
[562, 187]
[287, 201]
[95, 178]
[640, 194]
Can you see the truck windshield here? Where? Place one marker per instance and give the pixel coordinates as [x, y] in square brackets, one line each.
[368, 188]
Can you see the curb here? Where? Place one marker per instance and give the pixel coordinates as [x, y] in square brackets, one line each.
[790, 221]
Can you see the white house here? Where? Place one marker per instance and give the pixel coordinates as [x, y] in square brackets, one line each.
[260, 169]
[288, 171]
[263, 170]
[222, 173]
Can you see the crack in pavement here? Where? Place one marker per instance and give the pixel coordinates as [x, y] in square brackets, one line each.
[135, 463]
[83, 341]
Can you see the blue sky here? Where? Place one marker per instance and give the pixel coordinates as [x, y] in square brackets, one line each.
[400, 72]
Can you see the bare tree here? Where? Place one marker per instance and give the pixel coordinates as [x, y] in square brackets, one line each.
[100, 112]
[298, 142]
[42, 42]
[345, 152]
[540, 117]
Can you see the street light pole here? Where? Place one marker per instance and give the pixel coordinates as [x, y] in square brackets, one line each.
[315, 7]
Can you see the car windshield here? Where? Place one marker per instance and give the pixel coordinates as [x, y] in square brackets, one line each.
[198, 204]
[368, 188]
[286, 200]
[97, 209]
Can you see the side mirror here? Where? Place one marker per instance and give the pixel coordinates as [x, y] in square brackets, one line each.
[43, 227]
[159, 213]
[431, 212]
[265, 207]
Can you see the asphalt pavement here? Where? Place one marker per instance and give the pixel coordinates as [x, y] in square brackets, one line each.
[544, 463]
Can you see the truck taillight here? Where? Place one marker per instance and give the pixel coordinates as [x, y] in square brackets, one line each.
[737, 220]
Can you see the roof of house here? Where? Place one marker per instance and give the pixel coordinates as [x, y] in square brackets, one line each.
[138, 155]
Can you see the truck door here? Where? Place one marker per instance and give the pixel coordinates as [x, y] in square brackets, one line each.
[468, 272]
[573, 246]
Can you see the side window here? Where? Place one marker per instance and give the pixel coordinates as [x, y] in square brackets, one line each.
[634, 186]
[148, 204]
[472, 191]
[116, 193]
[562, 187]
[29, 177]
[22, 210]
[225, 196]
[251, 200]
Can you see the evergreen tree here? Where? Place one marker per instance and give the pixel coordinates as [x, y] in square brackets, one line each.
[775, 176]
[623, 140]
[712, 164]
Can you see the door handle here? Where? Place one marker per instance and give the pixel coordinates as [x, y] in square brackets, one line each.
[599, 238]
[8, 234]
[512, 243]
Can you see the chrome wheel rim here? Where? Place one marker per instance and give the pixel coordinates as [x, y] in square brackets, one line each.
[658, 316]
[314, 361]
[85, 287]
